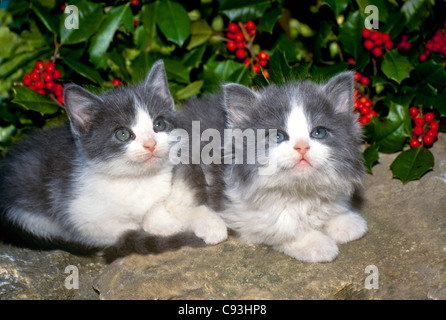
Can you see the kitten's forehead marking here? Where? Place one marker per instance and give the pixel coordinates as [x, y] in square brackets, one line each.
[297, 124]
[143, 124]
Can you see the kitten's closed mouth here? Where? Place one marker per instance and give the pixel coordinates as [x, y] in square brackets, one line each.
[302, 163]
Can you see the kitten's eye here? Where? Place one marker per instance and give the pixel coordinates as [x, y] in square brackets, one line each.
[319, 133]
[278, 136]
[123, 135]
[159, 125]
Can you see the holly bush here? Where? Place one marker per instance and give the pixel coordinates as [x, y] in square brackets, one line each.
[399, 59]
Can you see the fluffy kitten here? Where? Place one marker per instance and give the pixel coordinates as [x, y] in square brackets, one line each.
[301, 207]
[104, 176]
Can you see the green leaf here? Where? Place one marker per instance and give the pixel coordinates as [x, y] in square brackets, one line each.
[83, 70]
[279, 70]
[50, 21]
[413, 10]
[268, 21]
[194, 58]
[141, 65]
[240, 76]
[350, 34]
[118, 59]
[412, 164]
[7, 132]
[190, 90]
[337, 5]
[396, 66]
[148, 19]
[200, 33]
[173, 21]
[175, 70]
[102, 39]
[391, 133]
[32, 100]
[371, 156]
[244, 10]
[90, 18]
[430, 72]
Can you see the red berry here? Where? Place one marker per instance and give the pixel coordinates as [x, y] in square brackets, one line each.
[378, 41]
[50, 85]
[32, 87]
[365, 81]
[41, 91]
[251, 32]
[357, 76]
[351, 61]
[428, 46]
[414, 143]
[366, 33]
[375, 35]
[250, 25]
[419, 122]
[386, 37]
[240, 53]
[35, 76]
[263, 63]
[241, 45]
[265, 73]
[39, 84]
[432, 133]
[47, 77]
[422, 57]
[232, 27]
[135, 3]
[231, 45]
[256, 68]
[418, 131]
[428, 140]
[364, 110]
[116, 82]
[50, 67]
[389, 45]
[40, 64]
[364, 120]
[368, 44]
[413, 111]
[406, 45]
[57, 74]
[247, 62]
[436, 47]
[373, 113]
[27, 80]
[377, 52]
[230, 35]
[429, 117]
[435, 126]
[239, 37]
[263, 55]
[60, 100]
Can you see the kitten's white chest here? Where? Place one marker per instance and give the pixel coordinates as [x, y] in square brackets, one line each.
[105, 207]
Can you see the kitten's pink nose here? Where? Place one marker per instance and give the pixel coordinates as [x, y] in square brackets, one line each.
[302, 147]
[150, 145]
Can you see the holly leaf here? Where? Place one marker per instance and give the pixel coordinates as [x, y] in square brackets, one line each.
[412, 164]
[83, 70]
[337, 5]
[244, 10]
[32, 100]
[102, 39]
[90, 18]
[396, 66]
[279, 69]
[268, 21]
[173, 21]
[200, 33]
[391, 133]
[371, 157]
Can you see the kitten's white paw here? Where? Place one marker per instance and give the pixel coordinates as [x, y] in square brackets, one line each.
[312, 247]
[346, 227]
[162, 226]
[211, 228]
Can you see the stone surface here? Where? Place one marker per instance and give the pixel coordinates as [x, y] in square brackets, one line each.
[406, 243]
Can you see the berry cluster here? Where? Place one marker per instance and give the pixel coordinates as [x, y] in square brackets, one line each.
[240, 38]
[116, 82]
[437, 45]
[364, 80]
[42, 80]
[375, 41]
[425, 130]
[363, 106]
[404, 44]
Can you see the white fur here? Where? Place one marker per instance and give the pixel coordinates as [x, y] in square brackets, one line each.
[300, 210]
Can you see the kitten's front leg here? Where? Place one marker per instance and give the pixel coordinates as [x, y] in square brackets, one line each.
[161, 223]
[346, 227]
[313, 246]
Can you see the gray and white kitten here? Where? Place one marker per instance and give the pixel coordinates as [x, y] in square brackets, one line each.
[302, 208]
[105, 174]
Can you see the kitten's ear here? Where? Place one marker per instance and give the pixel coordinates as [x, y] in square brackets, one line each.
[156, 81]
[339, 91]
[79, 104]
[238, 101]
